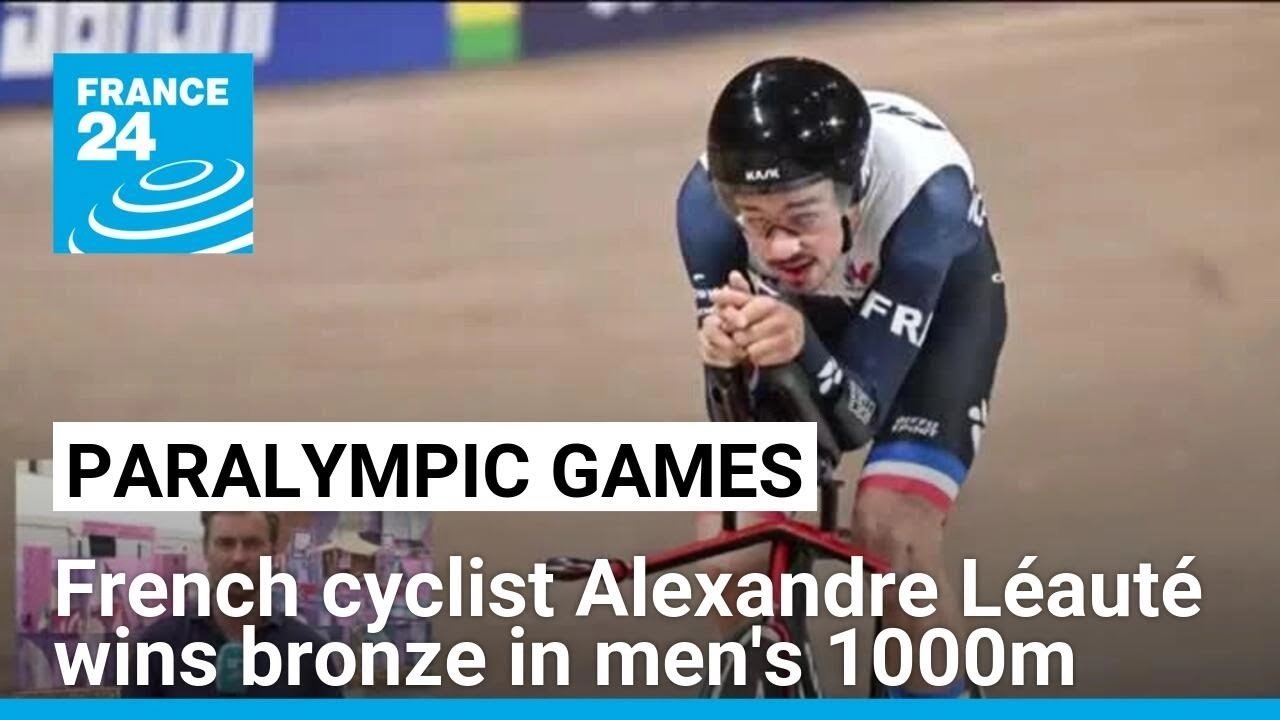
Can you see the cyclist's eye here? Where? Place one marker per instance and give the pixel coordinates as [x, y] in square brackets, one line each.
[805, 221]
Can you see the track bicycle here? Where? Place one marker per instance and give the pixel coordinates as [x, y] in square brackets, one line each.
[794, 546]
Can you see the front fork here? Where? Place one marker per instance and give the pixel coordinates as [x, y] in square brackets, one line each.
[794, 628]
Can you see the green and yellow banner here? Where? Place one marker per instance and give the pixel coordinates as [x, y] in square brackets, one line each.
[484, 32]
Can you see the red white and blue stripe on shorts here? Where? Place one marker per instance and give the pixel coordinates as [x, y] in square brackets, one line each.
[926, 471]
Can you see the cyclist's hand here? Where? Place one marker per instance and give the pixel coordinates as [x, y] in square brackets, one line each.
[717, 348]
[904, 530]
[715, 342]
[768, 329]
[729, 299]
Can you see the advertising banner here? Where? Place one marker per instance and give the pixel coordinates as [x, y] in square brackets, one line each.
[290, 42]
[551, 28]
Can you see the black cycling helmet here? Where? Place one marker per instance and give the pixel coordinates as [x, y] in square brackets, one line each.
[786, 122]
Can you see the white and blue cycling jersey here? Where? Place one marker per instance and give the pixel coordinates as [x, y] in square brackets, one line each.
[905, 334]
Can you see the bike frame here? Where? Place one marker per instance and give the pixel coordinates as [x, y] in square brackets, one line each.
[785, 536]
[793, 545]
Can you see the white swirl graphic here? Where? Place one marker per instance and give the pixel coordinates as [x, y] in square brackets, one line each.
[168, 232]
[207, 168]
[179, 204]
[223, 248]
[184, 231]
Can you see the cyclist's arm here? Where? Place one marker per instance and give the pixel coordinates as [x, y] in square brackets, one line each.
[710, 241]
[873, 356]
[710, 244]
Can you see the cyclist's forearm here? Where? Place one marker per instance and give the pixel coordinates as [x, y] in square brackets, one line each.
[849, 404]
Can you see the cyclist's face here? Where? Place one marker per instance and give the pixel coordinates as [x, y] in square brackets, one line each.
[797, 234]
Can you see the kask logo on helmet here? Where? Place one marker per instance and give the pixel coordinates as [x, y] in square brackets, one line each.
[761, 175]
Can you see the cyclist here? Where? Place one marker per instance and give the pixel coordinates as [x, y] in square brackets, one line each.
[844, 231]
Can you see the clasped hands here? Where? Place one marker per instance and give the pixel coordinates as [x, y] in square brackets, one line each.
[747, 327]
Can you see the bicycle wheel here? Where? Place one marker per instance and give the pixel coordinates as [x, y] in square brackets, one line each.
[879, 691]
[772, 632]
[797, 628]
[754, 674]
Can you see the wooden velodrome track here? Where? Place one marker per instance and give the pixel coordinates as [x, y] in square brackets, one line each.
[499, 245]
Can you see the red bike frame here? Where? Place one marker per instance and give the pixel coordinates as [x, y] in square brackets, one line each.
[784, 535]
[788, 538]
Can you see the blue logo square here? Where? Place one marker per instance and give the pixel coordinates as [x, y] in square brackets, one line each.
[152, 153]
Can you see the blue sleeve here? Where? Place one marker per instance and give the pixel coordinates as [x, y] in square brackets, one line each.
[710, 242]
[864, 370]
[711, 246]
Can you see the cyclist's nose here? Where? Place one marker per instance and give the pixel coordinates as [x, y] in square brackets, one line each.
[781, 246]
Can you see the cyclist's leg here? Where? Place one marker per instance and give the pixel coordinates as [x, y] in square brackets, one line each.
[929, 440]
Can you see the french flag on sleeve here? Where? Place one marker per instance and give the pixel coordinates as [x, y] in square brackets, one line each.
[917, 469]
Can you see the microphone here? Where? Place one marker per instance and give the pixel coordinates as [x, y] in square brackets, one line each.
[230, 669]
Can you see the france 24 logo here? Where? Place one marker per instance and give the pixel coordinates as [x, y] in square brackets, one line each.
[153, 153]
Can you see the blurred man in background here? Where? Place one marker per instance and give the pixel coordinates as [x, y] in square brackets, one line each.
[235, 542]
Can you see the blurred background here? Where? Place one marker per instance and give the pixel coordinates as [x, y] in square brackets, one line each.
[312, 547]
[465, 211]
